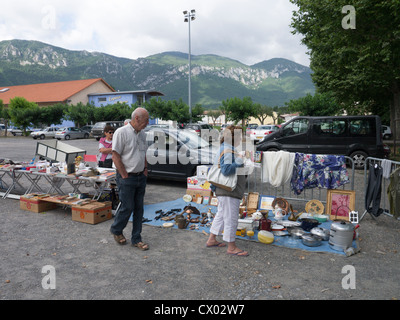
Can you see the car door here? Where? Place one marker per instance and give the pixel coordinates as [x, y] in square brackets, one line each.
[294, 137]
[328, 136]
[162, 155]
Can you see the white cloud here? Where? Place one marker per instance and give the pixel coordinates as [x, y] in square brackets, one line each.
[249, 31]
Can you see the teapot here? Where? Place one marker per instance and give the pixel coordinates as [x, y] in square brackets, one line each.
[181, 222]
[279, 213]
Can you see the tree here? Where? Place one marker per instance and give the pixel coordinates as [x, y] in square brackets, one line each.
[214, 115]
[175, 110]
[263, 112]
[52, 114]
[4, 115]
[22, 112]
[320, 104]
[355, 54]
[239, 109]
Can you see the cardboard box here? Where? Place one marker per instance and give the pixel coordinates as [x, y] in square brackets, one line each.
[92, 213]
[35, 204]
[201, 192]
[197, 184]
[252, 201]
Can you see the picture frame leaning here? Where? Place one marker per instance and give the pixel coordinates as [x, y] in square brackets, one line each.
[339, 204]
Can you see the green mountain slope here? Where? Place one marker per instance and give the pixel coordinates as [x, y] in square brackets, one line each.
[214, 78]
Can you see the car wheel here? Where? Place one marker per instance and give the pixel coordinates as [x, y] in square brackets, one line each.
[359, 158]
[42, 137]
[86, 136]
[14, 134]
[67, 137]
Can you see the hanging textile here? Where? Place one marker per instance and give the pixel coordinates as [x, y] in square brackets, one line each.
[322, 171]
[277, 167]
[393, 192]
[374, 188]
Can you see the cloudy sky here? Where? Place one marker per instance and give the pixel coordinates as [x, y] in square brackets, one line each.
[249, 31]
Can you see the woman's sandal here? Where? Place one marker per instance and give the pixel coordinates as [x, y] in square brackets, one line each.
[141, 245]
[120, 239]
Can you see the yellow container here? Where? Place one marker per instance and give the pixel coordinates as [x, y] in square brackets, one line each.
[265, 237]
[241, 232]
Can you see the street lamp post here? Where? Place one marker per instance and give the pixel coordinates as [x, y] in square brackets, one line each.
[190, 16]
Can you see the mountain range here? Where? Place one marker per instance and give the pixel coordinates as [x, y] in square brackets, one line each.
[214, 78]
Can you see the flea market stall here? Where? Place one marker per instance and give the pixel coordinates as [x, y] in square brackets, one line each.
[266, 214]
[275, 180]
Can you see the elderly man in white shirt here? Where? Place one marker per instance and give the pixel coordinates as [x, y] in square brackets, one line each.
[129, 157]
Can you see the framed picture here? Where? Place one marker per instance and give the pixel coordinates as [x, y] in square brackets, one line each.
[199, 199]
[339, 204]
[205, 200]
[214, 201]
[265, 203]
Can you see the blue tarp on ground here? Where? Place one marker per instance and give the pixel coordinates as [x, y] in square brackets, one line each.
[285, 241]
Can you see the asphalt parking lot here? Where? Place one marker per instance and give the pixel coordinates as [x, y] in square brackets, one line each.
[89, 265]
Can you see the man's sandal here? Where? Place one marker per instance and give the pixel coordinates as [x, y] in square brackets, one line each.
[120, 239]
[141, 245]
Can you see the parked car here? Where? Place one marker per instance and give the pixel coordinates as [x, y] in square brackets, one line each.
[357, 137]
[175, 154]
[19, 131]
[98, 128]
[261, 131]
[386, 132]
[250, 127]
[45, 133]
[204, 130]
[87, 128]
[68, 133]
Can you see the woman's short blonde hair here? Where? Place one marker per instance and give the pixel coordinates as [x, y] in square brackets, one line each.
[231, 133]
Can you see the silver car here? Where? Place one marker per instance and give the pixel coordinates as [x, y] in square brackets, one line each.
[68, 133]
[45, 133]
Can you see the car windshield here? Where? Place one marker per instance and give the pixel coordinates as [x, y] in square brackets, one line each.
[99, 125]
[188, 138]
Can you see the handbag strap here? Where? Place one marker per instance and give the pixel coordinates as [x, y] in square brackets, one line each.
[222, 153]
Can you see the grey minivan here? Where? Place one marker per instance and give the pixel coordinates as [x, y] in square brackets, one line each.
[357, 137]
[98, 128]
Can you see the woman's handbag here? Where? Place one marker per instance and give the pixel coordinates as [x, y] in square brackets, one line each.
[216, 178]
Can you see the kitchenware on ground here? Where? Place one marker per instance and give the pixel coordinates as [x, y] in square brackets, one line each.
[314, 206]
[320, 217]
[167, 225]
[321, 232]
[281, 203]
[250, 233]
[296, 232]
[277, 227]
[182, 222]
[311, 240]
[265, 237]
[265, 224]
[341, 235]
[308, 223]
[279, 213]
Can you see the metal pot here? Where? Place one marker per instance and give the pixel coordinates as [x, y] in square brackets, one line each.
[321, 232]
[341, 235]
[296, 232]
[307, 223]
[311, 240]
